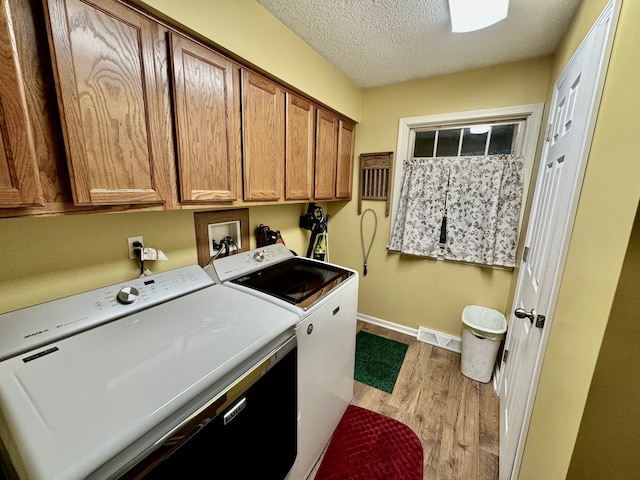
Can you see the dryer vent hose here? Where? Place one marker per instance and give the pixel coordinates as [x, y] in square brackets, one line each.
[373, 236]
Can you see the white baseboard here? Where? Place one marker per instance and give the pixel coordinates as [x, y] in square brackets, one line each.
[388, 325]
[426, 335]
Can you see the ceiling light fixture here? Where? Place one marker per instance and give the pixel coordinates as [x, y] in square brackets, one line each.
[479, 129]
[470, 15]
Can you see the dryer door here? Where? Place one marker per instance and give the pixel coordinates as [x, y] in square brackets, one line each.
[299, 281]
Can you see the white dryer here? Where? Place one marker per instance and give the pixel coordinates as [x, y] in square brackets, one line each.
[325, 297]
[162, 374]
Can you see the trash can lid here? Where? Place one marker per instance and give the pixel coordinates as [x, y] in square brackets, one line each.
[484, 319]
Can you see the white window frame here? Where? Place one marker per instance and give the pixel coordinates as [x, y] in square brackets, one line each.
[531, 114]
[516, 147]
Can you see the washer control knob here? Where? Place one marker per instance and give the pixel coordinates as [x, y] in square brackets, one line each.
[258, 256]
[128, 295]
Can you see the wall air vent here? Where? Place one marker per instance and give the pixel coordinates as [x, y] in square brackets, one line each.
[375, 178]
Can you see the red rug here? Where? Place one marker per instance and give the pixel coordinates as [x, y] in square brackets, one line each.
[370, 446]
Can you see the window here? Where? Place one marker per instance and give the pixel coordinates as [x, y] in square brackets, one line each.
[467, 141]
[458, 192]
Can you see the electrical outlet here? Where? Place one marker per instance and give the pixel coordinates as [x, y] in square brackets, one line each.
[130, 242]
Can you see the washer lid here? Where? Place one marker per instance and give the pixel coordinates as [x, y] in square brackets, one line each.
[70, 406]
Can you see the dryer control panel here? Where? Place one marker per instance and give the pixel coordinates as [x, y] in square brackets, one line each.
[228, 268]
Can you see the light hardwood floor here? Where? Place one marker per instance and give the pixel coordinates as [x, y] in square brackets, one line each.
[456, 418]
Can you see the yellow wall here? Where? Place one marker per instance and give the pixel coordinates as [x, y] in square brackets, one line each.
[50, 257]
[44, 258]
[420, 292]
[605, 215]
[607, 444]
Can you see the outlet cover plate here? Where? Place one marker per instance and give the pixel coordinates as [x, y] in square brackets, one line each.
[130, 242]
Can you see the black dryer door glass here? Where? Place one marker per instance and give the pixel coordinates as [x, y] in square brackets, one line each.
[297, 280]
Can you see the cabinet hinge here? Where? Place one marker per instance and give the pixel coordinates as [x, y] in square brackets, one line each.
[549, 130]
[525, 254]
[505, 355]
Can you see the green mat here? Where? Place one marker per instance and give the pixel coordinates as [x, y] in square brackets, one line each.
[378, 360]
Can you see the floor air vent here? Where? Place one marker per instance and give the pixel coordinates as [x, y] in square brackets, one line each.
[440, 339]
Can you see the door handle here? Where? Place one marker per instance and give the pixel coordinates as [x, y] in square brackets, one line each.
[522, 313]
[532, 315]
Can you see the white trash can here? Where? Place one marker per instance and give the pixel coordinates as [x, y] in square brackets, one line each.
[483, 330]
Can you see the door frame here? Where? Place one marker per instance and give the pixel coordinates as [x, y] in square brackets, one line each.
[609, 16]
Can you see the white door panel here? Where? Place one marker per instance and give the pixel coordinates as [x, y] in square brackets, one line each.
[574, 103]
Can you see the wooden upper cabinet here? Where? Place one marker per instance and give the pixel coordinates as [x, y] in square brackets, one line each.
[110, 99]
[207, 119]
[344, 169]
[299, 135]
[19, 179]
[263, 141]
[327, 128]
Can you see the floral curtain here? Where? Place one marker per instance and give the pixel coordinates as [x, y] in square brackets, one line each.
[470, 203]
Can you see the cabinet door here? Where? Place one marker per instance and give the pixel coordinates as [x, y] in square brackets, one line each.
[19, 180]
[110, 102]
[262, 138]
[326, 155]
[207, 116]
[344, 169]
[299, 148]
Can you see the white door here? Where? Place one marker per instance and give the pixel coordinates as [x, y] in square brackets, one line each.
[571, 119]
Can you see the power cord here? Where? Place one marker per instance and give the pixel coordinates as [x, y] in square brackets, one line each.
[224, 247]
[137, 251]
[375, 227]
[231, 243]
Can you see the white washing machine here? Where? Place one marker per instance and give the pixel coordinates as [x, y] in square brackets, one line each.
[325, 297]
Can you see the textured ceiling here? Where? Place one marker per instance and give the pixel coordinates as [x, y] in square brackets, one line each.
[379, 42]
